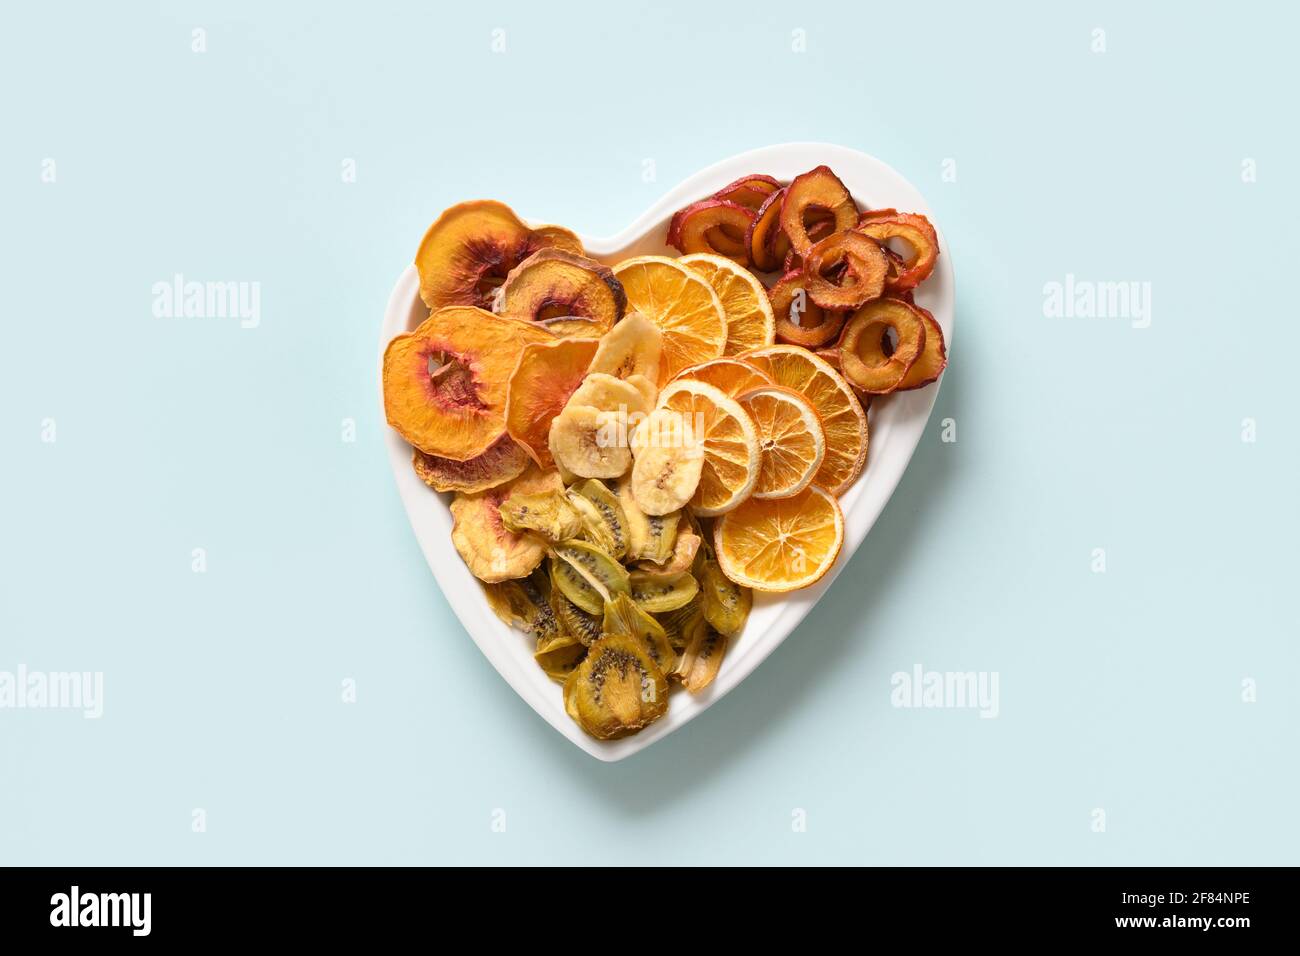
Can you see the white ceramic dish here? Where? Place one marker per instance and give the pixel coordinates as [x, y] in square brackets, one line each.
[896, 426]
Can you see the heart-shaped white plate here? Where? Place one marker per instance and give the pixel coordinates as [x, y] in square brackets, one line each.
[896, 427]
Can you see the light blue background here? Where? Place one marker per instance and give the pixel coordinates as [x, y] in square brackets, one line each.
[1119, 691]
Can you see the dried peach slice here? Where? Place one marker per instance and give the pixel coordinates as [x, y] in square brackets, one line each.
[472, 247]
[749, 190]
[712, 225]
[933, 359]
[800, 320]
[503, 461]
[445, 382]
[915, 231]
[733, 376]
[816, 189]
[553, 283]
[843, 420]
[492, 553]
[540, 385]
[845, 270]
[863, 358]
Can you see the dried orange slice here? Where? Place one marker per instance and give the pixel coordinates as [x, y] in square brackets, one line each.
[733, 376]
[729, 439]
[780, 544]
[750, 323]
[790, 439]
[683, 305]
[843, 420]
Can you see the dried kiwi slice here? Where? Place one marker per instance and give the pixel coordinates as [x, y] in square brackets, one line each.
[549, 514]
[558, 656]
[655, 593]
[623, 617]
[594, 566]
[574, 586]
[681, 625]
[574, 620]
[525, 604]
[602, 516]
[616, 690]
[702, 658]
[726, 605]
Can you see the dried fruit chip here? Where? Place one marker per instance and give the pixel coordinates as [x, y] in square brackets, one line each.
[845, 271]
[817, 189]
[764, 230]
[471, 248]
[616, 690]
[780, 544]
[790, 437]
[749, 190]
[702, 659]
[744, 302]
[733, 376]
[491, 552]
[800, 320]
[669, 460]
[682, 304]
[843, 420]
[712, 225]
[862, 351]
[539, 387]
[503, 461]
[445, 382]
[630, 348]
[916, 232]
[624, 618]
[553, 283]
[728, 439]
[933, 359]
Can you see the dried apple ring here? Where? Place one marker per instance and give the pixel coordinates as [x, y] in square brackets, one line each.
[800, 320]
[929, 365]
[712, 225]
[845, 270]
[817, 231]
[763, 232]
[913, 229]
[863, 359]
[749, 190]
[817, 189]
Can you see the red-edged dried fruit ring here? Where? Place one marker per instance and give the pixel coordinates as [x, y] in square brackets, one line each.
[862, 354]
[764, 232]
[818, 231]
[749, 190]
[712, 225]
[929, 365]
[845, 270]
[817, 189]
[916, 231]
[800, 320]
